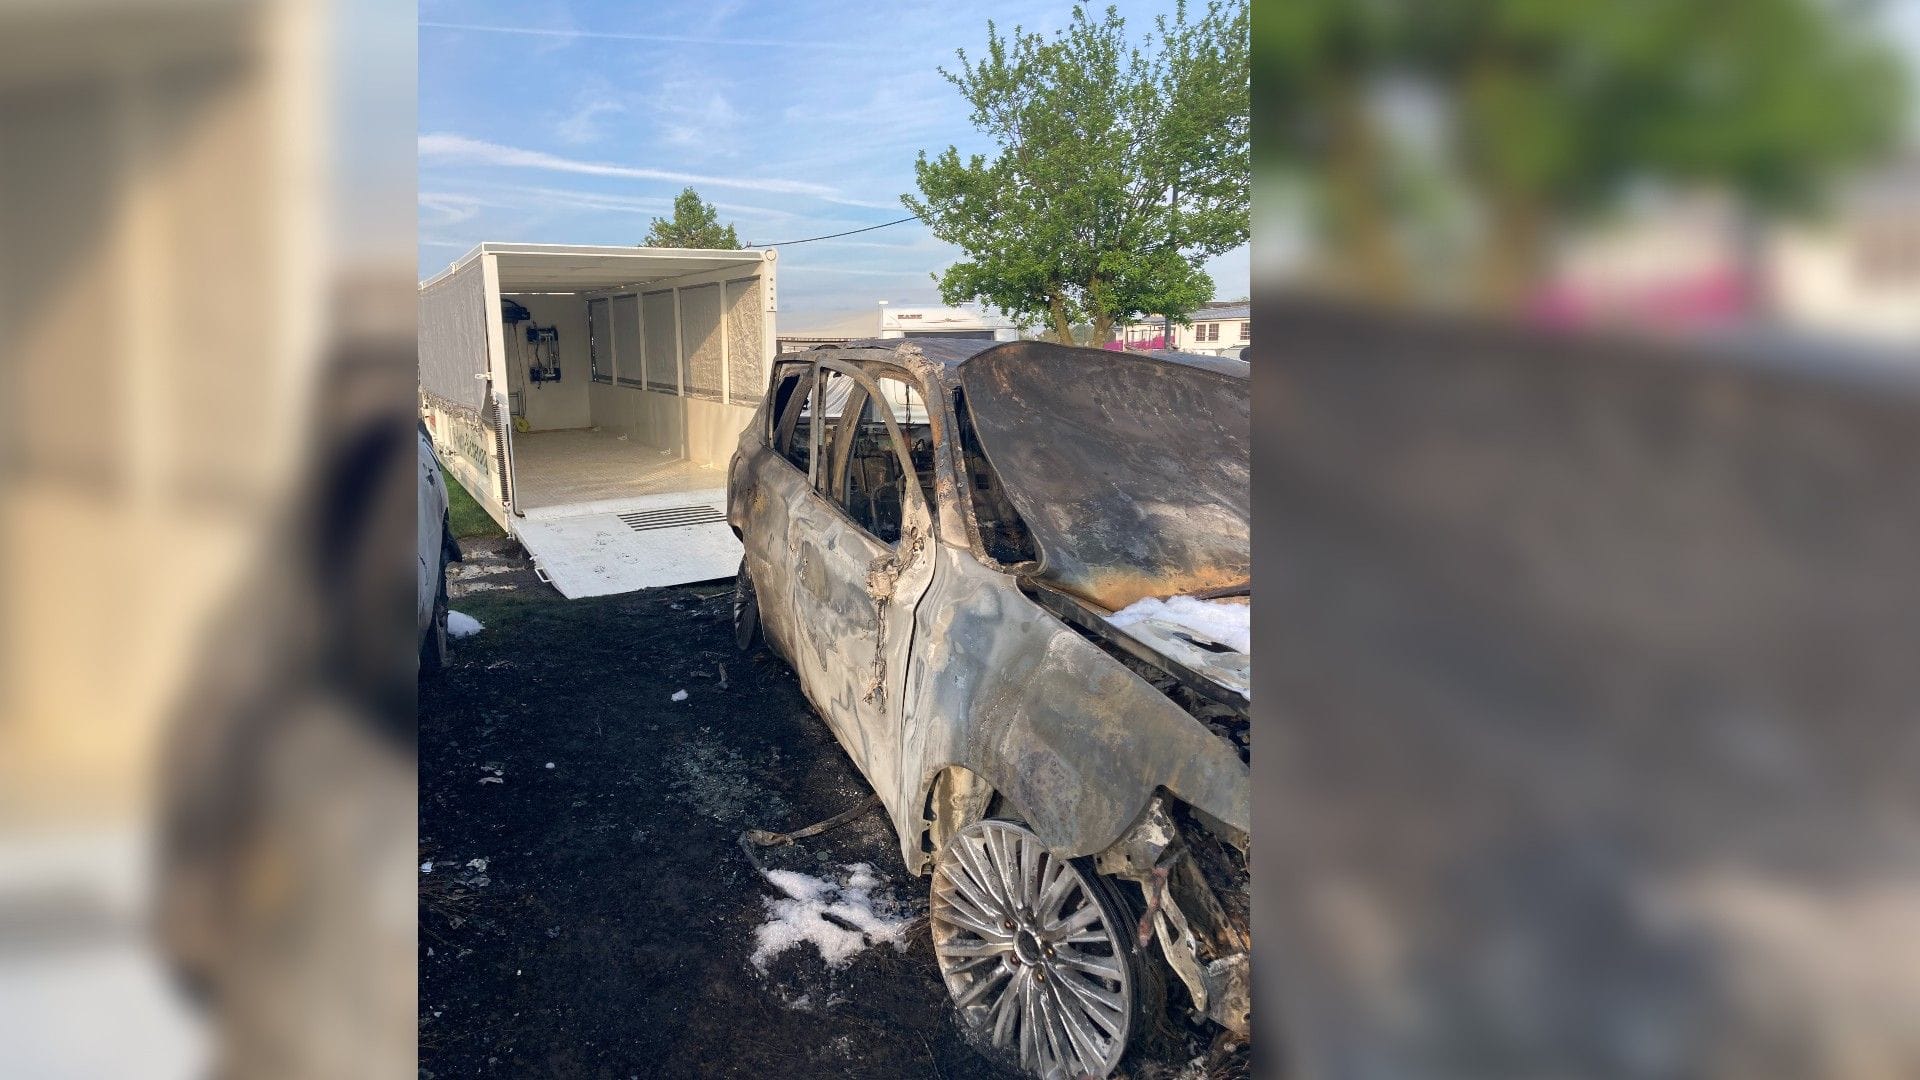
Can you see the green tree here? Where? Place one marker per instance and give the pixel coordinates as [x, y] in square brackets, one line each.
[1550, 110]
[1121, 168]
[695, 224]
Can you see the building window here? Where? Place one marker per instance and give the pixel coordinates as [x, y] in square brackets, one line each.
[1246, 331]
[1207, 332]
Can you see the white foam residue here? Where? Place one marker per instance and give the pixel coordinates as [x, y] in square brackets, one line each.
[1209, 620]
[841, 919]
[460, 624]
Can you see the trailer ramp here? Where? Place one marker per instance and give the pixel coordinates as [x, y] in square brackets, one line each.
[623, 545]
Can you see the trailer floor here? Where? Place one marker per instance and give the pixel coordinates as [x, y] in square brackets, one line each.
[561, 468]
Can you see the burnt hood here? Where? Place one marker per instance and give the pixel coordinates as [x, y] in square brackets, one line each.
[1131, 471]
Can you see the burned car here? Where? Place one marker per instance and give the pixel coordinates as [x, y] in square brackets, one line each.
[1014, 580]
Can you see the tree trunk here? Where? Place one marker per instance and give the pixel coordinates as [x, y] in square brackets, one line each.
[1102, 329]
[1513, 249]
[1364, 258]
[1057, 309]
[1510, 262]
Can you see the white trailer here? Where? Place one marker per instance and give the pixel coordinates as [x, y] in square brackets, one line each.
[590, 397]
[959, 322]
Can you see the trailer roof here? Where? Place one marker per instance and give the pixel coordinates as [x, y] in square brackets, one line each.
[580, 267]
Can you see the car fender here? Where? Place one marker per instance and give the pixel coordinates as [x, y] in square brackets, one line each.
[1075, 740]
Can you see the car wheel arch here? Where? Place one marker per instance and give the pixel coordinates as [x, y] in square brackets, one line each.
[1082, 764]
[954, 795]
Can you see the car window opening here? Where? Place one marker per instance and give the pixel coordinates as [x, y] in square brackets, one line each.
[1002, 533]
[876, 479]
[793, 414]
[910, 415]
[831, 391]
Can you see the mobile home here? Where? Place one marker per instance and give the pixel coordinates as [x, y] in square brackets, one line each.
[590, 397]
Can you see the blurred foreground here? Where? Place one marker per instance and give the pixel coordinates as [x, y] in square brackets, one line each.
[1674, 167]
[205, 705]
[1590, 722]
[1591, 615]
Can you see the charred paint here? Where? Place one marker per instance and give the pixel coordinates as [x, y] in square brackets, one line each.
[929, 659]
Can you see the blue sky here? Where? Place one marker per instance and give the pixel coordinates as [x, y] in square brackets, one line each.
[577, 123]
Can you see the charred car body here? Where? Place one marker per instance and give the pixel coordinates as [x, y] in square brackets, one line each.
[938, 537]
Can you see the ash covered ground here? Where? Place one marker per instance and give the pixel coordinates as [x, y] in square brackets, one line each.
[589, 910]
[598, 917]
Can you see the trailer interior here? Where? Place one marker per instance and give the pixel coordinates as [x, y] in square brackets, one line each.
[590, 398]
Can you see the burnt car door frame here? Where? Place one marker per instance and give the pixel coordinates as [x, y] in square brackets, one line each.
[778, 484]
[853, 595]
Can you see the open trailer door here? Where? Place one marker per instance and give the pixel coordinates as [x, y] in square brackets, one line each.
[456, 384]
[616, 382]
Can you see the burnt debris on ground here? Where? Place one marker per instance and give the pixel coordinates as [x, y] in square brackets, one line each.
[596, 916]
[590, 910]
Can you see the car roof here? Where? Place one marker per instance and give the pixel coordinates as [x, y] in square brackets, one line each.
[949, 354]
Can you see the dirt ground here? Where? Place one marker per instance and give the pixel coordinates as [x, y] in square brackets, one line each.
[595, 917]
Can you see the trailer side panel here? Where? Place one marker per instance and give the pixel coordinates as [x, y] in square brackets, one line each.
[454, 360]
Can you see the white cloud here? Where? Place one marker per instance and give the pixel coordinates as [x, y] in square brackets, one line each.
[524, 198]
[925, 243]
[459, 149]
[695, 113]
[562, 198]
[719, 13]
[789, 268]
[668, 39]
[865, 203]
[582, 125]
[452, 208]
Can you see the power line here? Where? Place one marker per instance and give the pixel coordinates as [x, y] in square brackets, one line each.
[834, 236]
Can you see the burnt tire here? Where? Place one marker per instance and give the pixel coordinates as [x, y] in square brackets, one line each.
[1038, 953]
[746, 611]
[434, 651]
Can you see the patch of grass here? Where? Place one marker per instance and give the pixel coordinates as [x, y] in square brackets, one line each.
[467, 517]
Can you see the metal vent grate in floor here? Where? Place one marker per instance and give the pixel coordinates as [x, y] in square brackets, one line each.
[671, 517]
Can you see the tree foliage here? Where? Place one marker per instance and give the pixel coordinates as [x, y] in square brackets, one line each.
[695, 224]
[1121, 168]
[1551, 110]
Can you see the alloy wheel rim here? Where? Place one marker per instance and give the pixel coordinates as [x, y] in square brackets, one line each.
[1029, 952]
